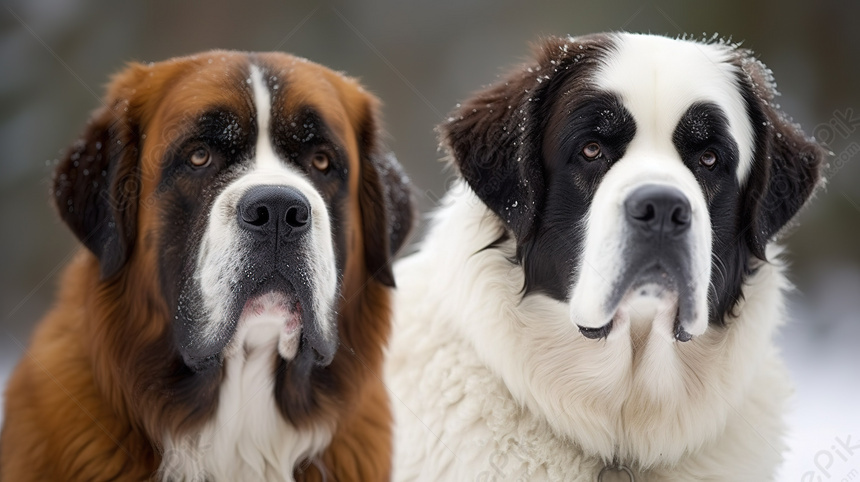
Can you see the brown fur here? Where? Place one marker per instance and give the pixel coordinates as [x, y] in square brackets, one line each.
[101, 382]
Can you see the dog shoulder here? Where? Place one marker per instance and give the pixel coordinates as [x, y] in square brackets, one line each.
[62, 428]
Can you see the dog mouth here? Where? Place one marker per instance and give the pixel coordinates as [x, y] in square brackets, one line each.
[277, 303]
[654, 292]
[272, 315]
[265, 313]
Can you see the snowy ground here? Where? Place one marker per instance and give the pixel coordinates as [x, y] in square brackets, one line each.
[824, 358]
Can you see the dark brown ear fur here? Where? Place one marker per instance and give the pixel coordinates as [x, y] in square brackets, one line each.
[495, 137]
[386, 204]
[786, 165]
[96, 185]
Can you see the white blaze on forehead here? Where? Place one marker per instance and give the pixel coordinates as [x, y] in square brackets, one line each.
[265, 154]
[659, 78]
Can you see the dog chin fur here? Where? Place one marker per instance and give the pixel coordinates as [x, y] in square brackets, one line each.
[488, 383]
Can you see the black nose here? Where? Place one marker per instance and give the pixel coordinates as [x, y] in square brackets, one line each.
[280, 211]
[658, 209]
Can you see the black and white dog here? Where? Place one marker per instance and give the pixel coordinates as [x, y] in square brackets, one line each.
[600, 291]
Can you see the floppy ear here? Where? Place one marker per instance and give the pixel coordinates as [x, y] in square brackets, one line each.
[385, 200]
[786, 163]
[487, 138]
[96, 184]
[495, 137]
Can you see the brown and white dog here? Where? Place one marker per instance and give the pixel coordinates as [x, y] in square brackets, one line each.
[228, 316]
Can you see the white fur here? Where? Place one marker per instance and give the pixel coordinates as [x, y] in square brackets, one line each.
[248, 438]
[489, 385]
[479, 377]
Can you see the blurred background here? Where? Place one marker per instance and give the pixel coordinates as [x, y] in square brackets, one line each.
[421, 58]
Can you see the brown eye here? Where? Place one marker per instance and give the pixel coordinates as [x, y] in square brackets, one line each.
[708, 159]
[591, 150]
[200, 157]
[321, 161]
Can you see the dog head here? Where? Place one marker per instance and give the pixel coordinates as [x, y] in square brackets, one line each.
[248, 187]
[640, 176]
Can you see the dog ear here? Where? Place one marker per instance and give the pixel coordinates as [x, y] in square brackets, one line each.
[494, 138]
[487, 140]
[96, 184]
[385, 199]
[786, 166]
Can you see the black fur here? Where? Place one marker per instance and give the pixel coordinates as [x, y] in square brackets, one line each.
[186, 195]
[517, 144]
[96, 187]
[704, 127]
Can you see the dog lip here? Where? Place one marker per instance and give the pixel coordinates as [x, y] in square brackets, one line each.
[271, 301]
[680, 333]
[596, 333]
[667, 274]
[654, 281]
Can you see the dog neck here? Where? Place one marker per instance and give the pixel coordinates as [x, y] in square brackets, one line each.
[248, 438]
[651, 407]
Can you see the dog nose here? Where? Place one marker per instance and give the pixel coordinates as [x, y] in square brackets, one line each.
[658, 209]
[281, 211]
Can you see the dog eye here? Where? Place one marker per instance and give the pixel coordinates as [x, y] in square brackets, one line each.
[708, 159]
[591, 151]
[200, 157]
[321, 161]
